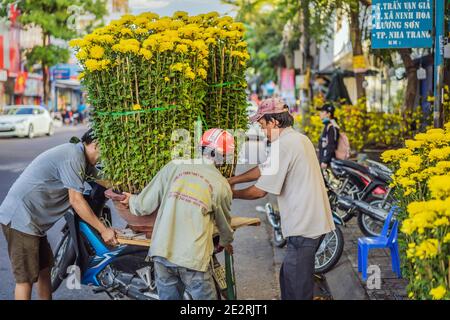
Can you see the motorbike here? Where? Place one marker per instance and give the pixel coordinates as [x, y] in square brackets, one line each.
[362, 191]
[330, 249]
[122, 271]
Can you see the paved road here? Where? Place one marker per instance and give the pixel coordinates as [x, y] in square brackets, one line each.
[254, 254]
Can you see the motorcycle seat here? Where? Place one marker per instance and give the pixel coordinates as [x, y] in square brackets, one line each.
[351, 164]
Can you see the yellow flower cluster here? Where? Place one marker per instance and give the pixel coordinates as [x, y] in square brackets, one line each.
[440, 186]
[363, 128]
[427, 249]
[148, 36]
[425, 156]
[97, 65]
[426, 215]
[396, 155]
[422, 178]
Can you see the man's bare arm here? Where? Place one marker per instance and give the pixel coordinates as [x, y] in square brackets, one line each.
[249, 176]
[85, 212]
[250, 193]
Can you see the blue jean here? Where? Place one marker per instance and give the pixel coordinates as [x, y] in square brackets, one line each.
[172, 281]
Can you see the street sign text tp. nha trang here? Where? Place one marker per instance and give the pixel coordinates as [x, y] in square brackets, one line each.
[412, 24]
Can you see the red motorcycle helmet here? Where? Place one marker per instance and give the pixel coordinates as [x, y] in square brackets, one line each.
[218, 140]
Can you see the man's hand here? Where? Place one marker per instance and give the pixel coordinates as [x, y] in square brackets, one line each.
[229, 248]
[324, 165]
[109, 236]
[126, 201]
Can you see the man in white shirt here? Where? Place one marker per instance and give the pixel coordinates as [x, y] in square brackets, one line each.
[292, 172]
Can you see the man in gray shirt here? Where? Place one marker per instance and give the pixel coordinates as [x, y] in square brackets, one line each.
[42, 194]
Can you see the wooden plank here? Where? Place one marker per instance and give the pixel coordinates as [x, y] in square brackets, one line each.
[137, 242]
[238, 222]
[127, 236]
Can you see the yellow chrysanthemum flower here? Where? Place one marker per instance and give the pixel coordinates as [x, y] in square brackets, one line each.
[97, 52]
[446, 238]
[413, 144]
[82, 55]
[428, 248]
[438, 292]
[147, 54]
[92, 65]
[202, 73]
[166, 46]
[439, 186]
[177, 67]
[78, 43]
[182, 48]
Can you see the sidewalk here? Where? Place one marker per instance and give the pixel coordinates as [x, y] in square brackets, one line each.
[345, 282]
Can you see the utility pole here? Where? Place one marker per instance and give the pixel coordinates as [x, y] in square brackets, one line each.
[439, 10]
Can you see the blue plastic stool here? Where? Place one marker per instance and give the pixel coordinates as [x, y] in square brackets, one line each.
[384, 241]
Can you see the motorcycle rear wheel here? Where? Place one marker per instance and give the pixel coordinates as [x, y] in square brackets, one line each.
[369, 226]
[330, 251]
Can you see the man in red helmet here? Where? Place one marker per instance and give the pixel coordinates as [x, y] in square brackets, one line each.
[191, 197]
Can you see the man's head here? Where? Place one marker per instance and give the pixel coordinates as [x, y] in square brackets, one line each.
[327, 111]
[92, 150]
[273, 115]
[217, 144]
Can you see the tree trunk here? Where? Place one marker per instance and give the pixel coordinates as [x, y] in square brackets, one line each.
[45, 75]
[356, 36]
[411, 87]
[308, 58]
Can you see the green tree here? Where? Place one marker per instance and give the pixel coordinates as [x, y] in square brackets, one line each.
[54, 18]
[267, 22]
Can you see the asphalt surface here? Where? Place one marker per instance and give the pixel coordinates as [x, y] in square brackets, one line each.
[255, 266]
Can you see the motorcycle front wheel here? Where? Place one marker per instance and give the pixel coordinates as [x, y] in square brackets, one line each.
[64, 256]
[278, 239]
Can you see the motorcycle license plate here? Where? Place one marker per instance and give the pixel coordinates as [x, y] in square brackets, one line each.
[220, 276]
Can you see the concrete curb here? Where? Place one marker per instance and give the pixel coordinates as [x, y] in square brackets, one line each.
[343, 283]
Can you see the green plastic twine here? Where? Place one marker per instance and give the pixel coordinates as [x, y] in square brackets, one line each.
[224, 84]
[127, 113]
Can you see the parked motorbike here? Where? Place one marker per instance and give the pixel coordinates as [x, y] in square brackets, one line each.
[362, 191]
[330, 249]
[125, 270]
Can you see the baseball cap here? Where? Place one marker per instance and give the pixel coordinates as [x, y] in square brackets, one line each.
[270, 106]
[327, 107]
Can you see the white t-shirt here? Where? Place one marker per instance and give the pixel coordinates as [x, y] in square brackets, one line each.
[292, 172]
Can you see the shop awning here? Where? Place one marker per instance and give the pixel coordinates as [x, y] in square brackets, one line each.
[68, 84]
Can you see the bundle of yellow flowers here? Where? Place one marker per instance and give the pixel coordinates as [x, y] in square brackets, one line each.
[363, 128]
[148, 75]
[422, 181]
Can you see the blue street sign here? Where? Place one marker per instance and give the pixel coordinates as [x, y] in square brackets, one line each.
[61, 73]
[402, 24]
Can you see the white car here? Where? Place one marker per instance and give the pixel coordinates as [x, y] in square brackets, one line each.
[25, 121]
